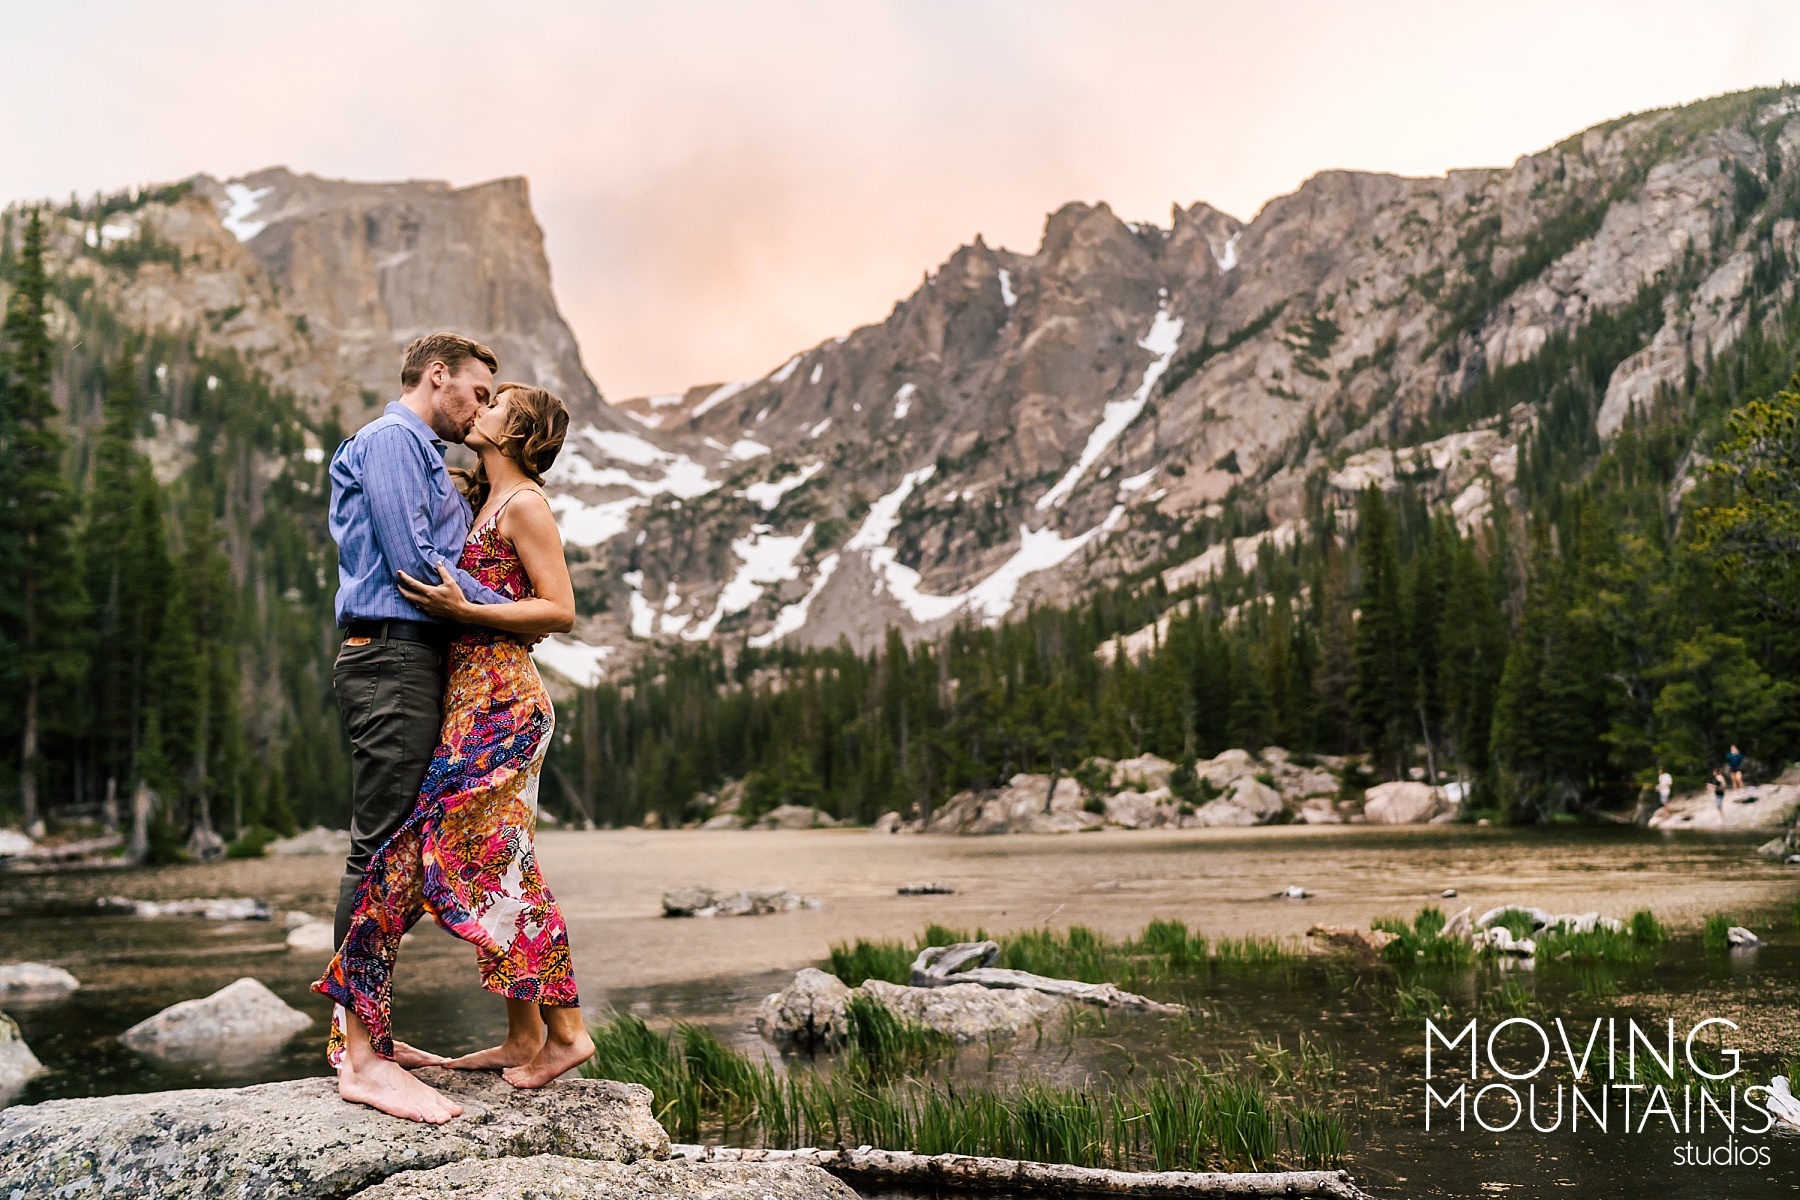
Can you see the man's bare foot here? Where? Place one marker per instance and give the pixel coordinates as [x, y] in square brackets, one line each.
[410, 1057]
[510, 1053]
[552, 1059]
[386, 1086]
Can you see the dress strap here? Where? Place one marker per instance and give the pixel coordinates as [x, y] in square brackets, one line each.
[504, 501]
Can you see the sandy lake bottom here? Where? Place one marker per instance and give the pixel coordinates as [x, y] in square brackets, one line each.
[1224, 883]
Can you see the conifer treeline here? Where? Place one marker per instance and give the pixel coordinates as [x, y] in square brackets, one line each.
[173, 632]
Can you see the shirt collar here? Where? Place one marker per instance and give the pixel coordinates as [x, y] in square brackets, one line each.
[412, 421]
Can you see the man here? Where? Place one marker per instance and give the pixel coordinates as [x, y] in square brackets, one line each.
[393, 509]
[1734, 762]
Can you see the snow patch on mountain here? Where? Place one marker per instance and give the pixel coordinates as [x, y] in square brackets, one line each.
[1164, 335]
[768, 558]
[768, 494]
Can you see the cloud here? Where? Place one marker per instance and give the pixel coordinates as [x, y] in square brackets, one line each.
[724, 183]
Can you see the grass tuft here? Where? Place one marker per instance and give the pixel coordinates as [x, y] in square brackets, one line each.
[1715, 934]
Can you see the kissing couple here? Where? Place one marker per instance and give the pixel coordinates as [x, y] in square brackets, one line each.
[447, 718]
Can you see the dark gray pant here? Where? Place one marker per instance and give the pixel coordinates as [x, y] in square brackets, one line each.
[390, 695]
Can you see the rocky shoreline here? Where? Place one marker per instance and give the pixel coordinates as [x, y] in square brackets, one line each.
[578, 1139]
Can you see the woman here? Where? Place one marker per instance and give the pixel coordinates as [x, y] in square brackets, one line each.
[465, 854]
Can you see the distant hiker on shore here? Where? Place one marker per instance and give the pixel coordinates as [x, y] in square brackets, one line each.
[1718, 789]
[444, 782]
[1664, 783]
[1734, 762]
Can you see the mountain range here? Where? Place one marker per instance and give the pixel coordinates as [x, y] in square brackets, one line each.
[1127, 402]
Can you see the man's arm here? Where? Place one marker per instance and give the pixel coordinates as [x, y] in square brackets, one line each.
[395, 482]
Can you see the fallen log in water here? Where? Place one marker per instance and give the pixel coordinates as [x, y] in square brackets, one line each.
[958, 1172]
[942, 966]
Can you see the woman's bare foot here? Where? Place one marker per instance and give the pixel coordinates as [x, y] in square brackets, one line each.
[410, 1057]
[557, 1055]
[385, 1085]
[513, 1052]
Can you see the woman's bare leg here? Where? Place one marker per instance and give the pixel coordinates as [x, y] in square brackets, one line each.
[566, 1046]
[367, 1078]
[524, 1038]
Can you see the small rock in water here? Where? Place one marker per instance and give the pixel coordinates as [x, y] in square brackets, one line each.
[700, 901]
[1737, 935]
[239, 1013]
[233, 908]
[927, 889]
[36, 977]
[13, 843]
[1294, 893]
[315, 937]
[17, 1062]
[1448, 893]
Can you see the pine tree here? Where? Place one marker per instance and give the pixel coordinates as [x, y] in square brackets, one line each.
[1382, 695]
[44, 600]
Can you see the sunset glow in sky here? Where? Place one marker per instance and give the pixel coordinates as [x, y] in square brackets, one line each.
[722, 184]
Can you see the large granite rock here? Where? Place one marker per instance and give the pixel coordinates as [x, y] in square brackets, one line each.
[1770, 806]
[317, 841]
[1027, 804]
[1142, 810]
[238, 1014]
[1146, 772]
[298, 1141]
[1403, 803]
[808, 1012]
[36, 979]
[795, 816]
[699, 901]
[552, 1177]
[1249, 802]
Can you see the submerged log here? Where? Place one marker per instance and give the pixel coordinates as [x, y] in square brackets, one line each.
[959, 1172]
[942, 966]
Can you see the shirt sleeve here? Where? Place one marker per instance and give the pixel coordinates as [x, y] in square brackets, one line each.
[395, 482]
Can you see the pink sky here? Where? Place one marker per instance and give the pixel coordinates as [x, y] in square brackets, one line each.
[721, 184]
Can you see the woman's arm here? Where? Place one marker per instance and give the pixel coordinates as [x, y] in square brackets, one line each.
[531, 529]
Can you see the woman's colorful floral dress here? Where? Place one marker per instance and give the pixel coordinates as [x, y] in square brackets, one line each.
[465, 854]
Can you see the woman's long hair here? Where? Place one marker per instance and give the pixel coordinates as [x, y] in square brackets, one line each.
[536, 423]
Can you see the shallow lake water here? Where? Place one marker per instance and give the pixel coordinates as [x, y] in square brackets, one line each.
[1223, 883]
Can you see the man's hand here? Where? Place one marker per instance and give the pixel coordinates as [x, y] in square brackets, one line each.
[444, 599]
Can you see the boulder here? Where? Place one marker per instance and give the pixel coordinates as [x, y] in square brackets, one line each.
[1318, 810]
[296, 918]
[1248, 802]
[1501, 940]
[1781, 1102]
[36, 978]
[1737, 935]
[1027, 804]
[1226, 767]
[966, 1012]
[1771, 806]
[1401, 803]
[887, 822]
[698, 901]
[297, 1140]
[1146, 773]
[554, 1177]
[808, 1012]
[728, 820]
[315, 937]
[205, 845]
[794, 816]
[13, 843]
[237, 1016]
[1142, 810]
[316, 841]
[17, 1063]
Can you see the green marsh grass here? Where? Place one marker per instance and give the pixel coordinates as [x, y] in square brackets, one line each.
[1187, 1120]
[1164, 951]
[1715, 933]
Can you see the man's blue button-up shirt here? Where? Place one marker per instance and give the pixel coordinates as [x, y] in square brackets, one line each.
[394, 508]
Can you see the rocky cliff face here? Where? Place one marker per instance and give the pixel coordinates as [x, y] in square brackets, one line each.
[1132, 396]
[320, 283]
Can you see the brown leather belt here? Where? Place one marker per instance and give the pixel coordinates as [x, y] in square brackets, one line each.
[426, 633]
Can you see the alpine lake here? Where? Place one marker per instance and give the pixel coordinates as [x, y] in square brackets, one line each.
[1330, 1045]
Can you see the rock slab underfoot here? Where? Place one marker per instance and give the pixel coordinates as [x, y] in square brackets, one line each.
[297, 1140]
[550, 1177]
